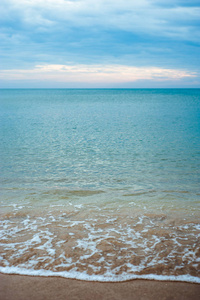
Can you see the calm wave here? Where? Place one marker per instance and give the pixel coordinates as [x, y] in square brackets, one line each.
[100, 184]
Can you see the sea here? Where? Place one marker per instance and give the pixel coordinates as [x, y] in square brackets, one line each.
[100, 184]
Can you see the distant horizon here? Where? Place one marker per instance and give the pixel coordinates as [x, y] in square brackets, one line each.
[100, 88]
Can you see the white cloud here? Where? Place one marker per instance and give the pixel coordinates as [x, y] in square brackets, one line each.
[94, 74]
[153, 32]
[144, 16]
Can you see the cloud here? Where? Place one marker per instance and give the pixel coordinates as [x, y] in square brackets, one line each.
[102, 33]
[144, 16]
[91, 74]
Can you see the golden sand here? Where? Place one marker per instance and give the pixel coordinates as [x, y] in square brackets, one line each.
[16, 287]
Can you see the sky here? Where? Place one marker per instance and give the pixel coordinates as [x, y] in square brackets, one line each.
[99, 43]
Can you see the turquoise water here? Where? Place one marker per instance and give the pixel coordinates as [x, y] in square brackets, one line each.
[75, 160]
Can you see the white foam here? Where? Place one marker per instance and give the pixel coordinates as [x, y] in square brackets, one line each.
[78, 205]
[127, 234]
[36, 239]
[108, 277]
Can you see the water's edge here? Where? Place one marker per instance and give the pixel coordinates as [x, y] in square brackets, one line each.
[99, 278]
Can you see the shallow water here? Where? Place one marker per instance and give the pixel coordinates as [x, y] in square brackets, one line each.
[100, 184]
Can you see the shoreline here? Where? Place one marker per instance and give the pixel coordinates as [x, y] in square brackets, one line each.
[21, 287]
[98, 278]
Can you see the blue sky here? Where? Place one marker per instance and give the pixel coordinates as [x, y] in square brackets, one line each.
[102, 43]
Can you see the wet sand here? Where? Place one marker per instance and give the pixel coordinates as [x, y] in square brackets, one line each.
[17, 287]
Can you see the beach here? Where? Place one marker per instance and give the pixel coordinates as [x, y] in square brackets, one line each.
[100, 186]
[99, 150]
[17, 287]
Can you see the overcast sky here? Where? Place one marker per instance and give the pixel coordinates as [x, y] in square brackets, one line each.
[99, 43]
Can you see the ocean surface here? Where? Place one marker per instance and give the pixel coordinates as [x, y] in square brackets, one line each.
[100, 184]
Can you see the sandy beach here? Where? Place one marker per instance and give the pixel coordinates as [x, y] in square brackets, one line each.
[17, 287]
[99, 186]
